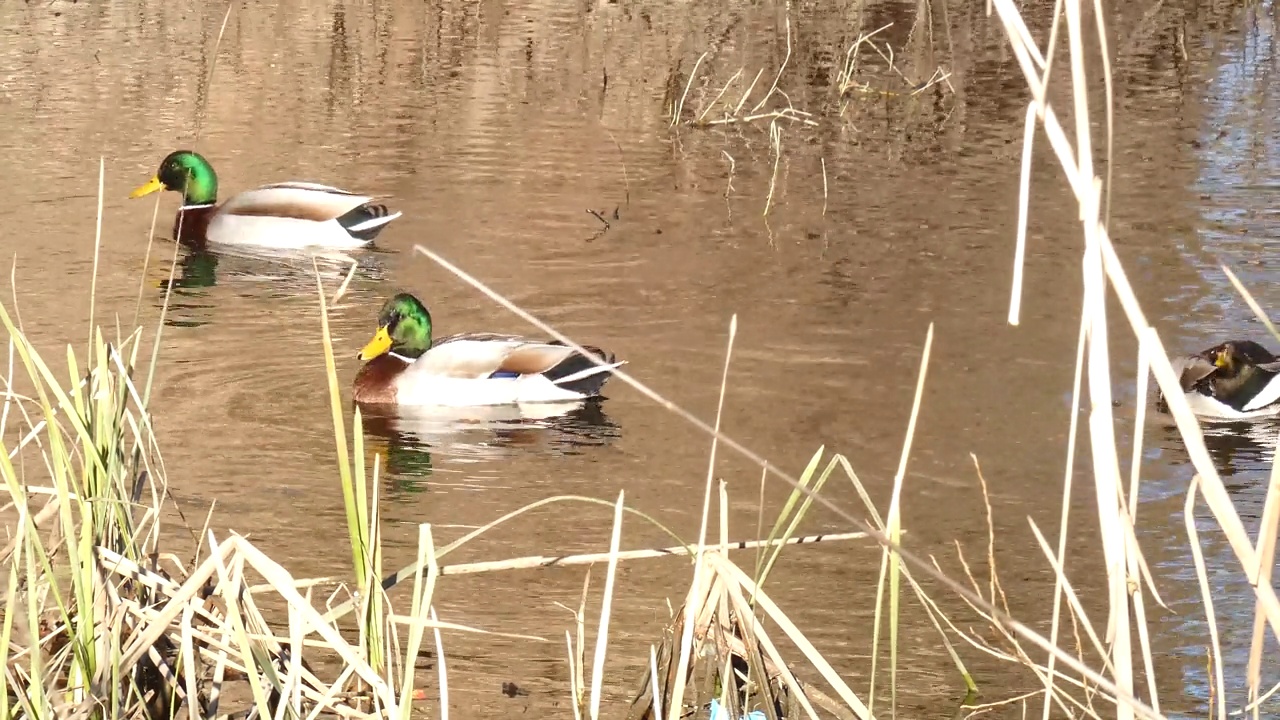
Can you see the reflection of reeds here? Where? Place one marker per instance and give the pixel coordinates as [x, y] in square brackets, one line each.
[745, 102]
[729, 112]
[845, 82]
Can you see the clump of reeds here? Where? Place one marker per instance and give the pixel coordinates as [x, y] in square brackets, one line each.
[732, 662]
[102, 619]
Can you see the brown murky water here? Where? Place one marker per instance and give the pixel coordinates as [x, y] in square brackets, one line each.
[496, 126]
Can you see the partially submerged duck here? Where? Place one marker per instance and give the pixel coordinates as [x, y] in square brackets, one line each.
[286, 215]
[403, 366]
[1237, 379]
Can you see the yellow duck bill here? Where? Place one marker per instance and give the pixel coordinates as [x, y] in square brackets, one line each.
[152, 185]
[379, 345]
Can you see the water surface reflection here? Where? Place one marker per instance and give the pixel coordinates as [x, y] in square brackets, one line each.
[426, 446]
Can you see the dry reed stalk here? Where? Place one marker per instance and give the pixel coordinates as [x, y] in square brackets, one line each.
[735, 653]
[844, 79]
[775, 143]
[678, 109]
[535, 561]
[686, 637]
[1206, 593]
[1267, 530]
[1258, 312]
[606, 607]
[97, 252]
[889, 561]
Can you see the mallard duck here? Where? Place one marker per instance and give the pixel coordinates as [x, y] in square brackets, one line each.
[1237, 379]
[281, 215]
[404, 367]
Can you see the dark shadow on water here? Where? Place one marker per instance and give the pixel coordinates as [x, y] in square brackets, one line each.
[416, 443]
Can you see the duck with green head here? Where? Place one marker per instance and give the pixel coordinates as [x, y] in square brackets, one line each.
[403, 365]
[282, 215]
[1236, 379]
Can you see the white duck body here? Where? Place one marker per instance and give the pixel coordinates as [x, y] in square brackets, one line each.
[460, 371]
[293, 215]
[1204, 406]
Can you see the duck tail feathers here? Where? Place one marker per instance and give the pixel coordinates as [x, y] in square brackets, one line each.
[366, 221]
[1268, 395]
[578, 373]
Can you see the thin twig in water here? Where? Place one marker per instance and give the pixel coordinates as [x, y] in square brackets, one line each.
[678, 110]
[719, 95]
[213, 63]
[844, 79]
[599, 217]
[791, 114]
[775, 141]
[824, 186]
[737, 110]
[622, 159]
[728, 188]
[781, 69]
[939, 76]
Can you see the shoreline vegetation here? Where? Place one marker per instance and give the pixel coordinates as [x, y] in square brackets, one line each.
[102, 619]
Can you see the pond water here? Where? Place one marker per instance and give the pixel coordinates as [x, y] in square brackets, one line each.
[501, 129]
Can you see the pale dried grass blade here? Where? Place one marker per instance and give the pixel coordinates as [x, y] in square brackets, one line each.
[730, 571]
[733, 594]
[1206, 593]
[653, 683]
[1064, 521]
[574, 681]
[1268, 527]
[606, 607]
[444, 675]
[1024, 199]
[273, 572]
[1253, 304]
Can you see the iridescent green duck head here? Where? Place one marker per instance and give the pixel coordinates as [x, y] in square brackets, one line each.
[404, 328]
[186, 172]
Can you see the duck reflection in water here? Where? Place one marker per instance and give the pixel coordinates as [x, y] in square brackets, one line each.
[291, 269]
[414, 439]
[276, 272]
[1244, 449]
